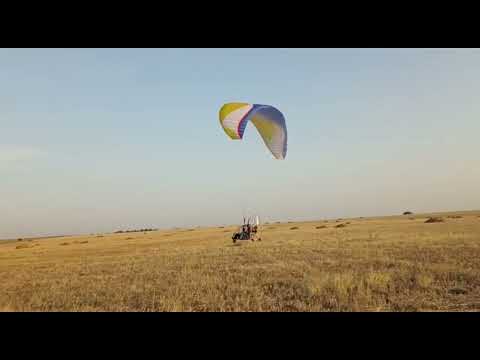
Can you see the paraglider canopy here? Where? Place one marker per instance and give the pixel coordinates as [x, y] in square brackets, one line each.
[269, 122]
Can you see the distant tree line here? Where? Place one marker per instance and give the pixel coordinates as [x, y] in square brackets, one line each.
[132, 231]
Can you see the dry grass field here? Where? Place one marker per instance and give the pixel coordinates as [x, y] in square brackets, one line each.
[398, 263]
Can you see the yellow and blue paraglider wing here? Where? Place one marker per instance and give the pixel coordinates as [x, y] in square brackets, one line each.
[231, 117]
[269, 122]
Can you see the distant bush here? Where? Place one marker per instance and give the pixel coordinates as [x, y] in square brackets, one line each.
[407, 213]
[434, 220]
[23, 246]
[294, 228]
[321, 227]
[340, 225]
[64, 243]
[454, 217]
[19, 239]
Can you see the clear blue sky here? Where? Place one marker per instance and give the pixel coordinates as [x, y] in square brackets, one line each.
[95, 140]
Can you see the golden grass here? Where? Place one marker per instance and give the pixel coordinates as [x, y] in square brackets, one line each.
[373, 264]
